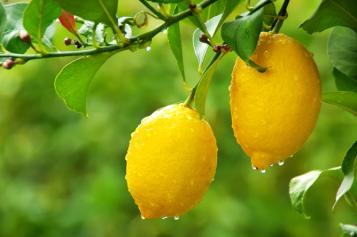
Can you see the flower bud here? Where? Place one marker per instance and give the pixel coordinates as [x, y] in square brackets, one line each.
[24, 36]
[8, 64]
[67, 41]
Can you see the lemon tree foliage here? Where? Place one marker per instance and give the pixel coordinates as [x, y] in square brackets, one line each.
[10, 37]
[174, 38]
[342, 16]
[2, 19]
[94, 10]
[301, 184]
[342, 50]
[97, 30]
[38, 16]
[332, 13]
[247, 28]
[72, 83]
[346, 100]
[343, 82]
[199, 47]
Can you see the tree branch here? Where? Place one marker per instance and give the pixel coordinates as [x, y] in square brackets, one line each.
[153, 10]
[137, 41]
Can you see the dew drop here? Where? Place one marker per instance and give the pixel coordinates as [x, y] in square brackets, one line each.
[143, 217]
[266, 53]
[254, 168]
[281, 163]
[164, 31]
[148, 48]
[164, 217]
[291, 156]
[271, 165]
[176, 218]
[263, 171]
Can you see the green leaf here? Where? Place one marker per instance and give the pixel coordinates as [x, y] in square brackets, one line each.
[94, 10]
[346, 100]
[342, 50]
[242, 34]
[13, 43]
[213, 10]
[174, 37]
[348, 169]
[349, 230]
[343, 82]
[268, 16]
[10, 37]
[203, 85]
[332, 13]
[299, 186]
[2, 19]
[39, 15]
[72, 82]
[199, 47]
[229, 6]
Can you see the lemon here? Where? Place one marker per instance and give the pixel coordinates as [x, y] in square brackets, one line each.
[171, 161]
[273, 113]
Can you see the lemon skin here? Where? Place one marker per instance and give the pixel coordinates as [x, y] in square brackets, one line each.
[171, 161]
[273, 113]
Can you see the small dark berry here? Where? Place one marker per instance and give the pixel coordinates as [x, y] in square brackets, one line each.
[77, 44]
[204, 39]
[217, 48]
[24, 36]
[192, 7]
[67, 41]
[226, 48]
[8, 64]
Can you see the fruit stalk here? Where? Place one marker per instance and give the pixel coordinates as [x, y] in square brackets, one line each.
[282, 15]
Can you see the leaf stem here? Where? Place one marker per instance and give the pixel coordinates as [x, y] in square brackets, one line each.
[191, 96]
[205, 79]
[140, 39]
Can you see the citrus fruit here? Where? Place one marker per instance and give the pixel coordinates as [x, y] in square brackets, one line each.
[273, 113]
[171, 161]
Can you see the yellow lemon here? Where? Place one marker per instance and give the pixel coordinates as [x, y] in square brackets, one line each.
[273, 113]
[171, 161]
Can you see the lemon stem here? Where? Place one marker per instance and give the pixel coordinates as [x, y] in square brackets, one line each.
[282, 15]
[199, 93]
[189, 100]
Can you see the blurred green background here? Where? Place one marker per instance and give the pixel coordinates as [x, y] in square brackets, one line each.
[62, 174]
